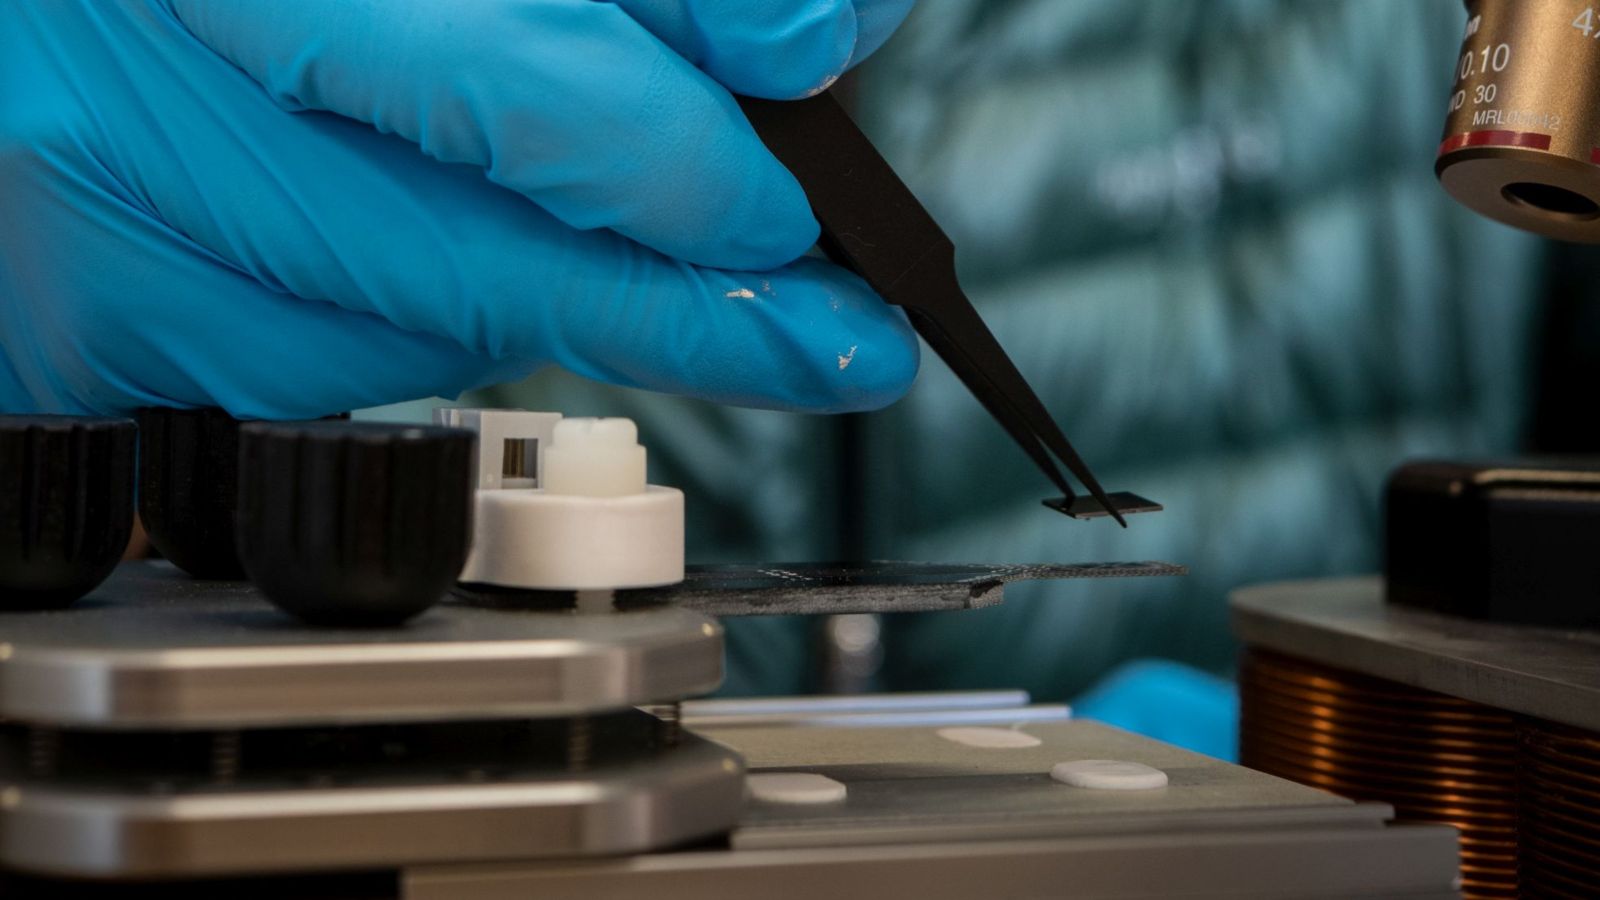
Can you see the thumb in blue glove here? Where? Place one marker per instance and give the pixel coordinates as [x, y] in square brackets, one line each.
[295, 208]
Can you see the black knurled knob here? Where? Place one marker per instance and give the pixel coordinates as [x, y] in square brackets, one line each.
[354, 523]
[188, 485]
[66, 506]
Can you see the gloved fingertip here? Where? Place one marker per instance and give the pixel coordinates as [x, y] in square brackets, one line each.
[885, 365]
[790, 82]
[876, 21]
[788, 52]
[766, 224]
[854, 352]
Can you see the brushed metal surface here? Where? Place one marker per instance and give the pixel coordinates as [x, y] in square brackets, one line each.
[1549, 673]
[1414, 862]
[685, 793]
[928, 818]
[909, 784]
[152, 648]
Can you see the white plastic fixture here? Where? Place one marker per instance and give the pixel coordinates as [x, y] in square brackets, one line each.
[502, 430]
[595, 458]
[592, 522]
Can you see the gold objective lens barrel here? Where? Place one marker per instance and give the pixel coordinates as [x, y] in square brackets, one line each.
[1522, 139]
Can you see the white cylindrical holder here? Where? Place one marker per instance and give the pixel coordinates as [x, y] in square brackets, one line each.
[594, 525]
[540, 541]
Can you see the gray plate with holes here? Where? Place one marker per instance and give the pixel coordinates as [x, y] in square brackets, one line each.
[152, 648]
[929, 818]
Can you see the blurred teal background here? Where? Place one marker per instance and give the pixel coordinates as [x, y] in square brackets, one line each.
[1209, 233]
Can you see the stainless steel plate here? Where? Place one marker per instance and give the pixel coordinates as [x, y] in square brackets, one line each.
[913, 785]
[929, 818]
[630, 798]
[152, 648]
[1415, 862]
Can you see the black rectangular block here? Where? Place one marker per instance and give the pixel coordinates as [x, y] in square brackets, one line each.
[1514, 542]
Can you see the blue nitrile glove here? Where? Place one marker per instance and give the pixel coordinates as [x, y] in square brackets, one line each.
[1168, 701]
[295, 207]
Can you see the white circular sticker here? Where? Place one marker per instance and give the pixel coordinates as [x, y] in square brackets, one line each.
[1108, 775]
[990, 738]
[795, 787]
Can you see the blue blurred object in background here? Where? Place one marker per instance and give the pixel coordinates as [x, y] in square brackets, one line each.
[1170, 702]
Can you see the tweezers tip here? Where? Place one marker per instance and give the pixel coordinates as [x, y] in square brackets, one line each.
[1086, 507]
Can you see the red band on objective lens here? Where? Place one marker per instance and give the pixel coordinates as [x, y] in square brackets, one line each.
[1495, 138]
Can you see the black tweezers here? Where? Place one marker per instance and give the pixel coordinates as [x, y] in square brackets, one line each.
[874, 226]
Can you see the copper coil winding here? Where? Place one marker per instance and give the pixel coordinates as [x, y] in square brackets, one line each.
[1433, 757]
[1560, 778]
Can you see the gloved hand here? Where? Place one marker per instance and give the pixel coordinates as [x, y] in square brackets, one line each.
[296, 207]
